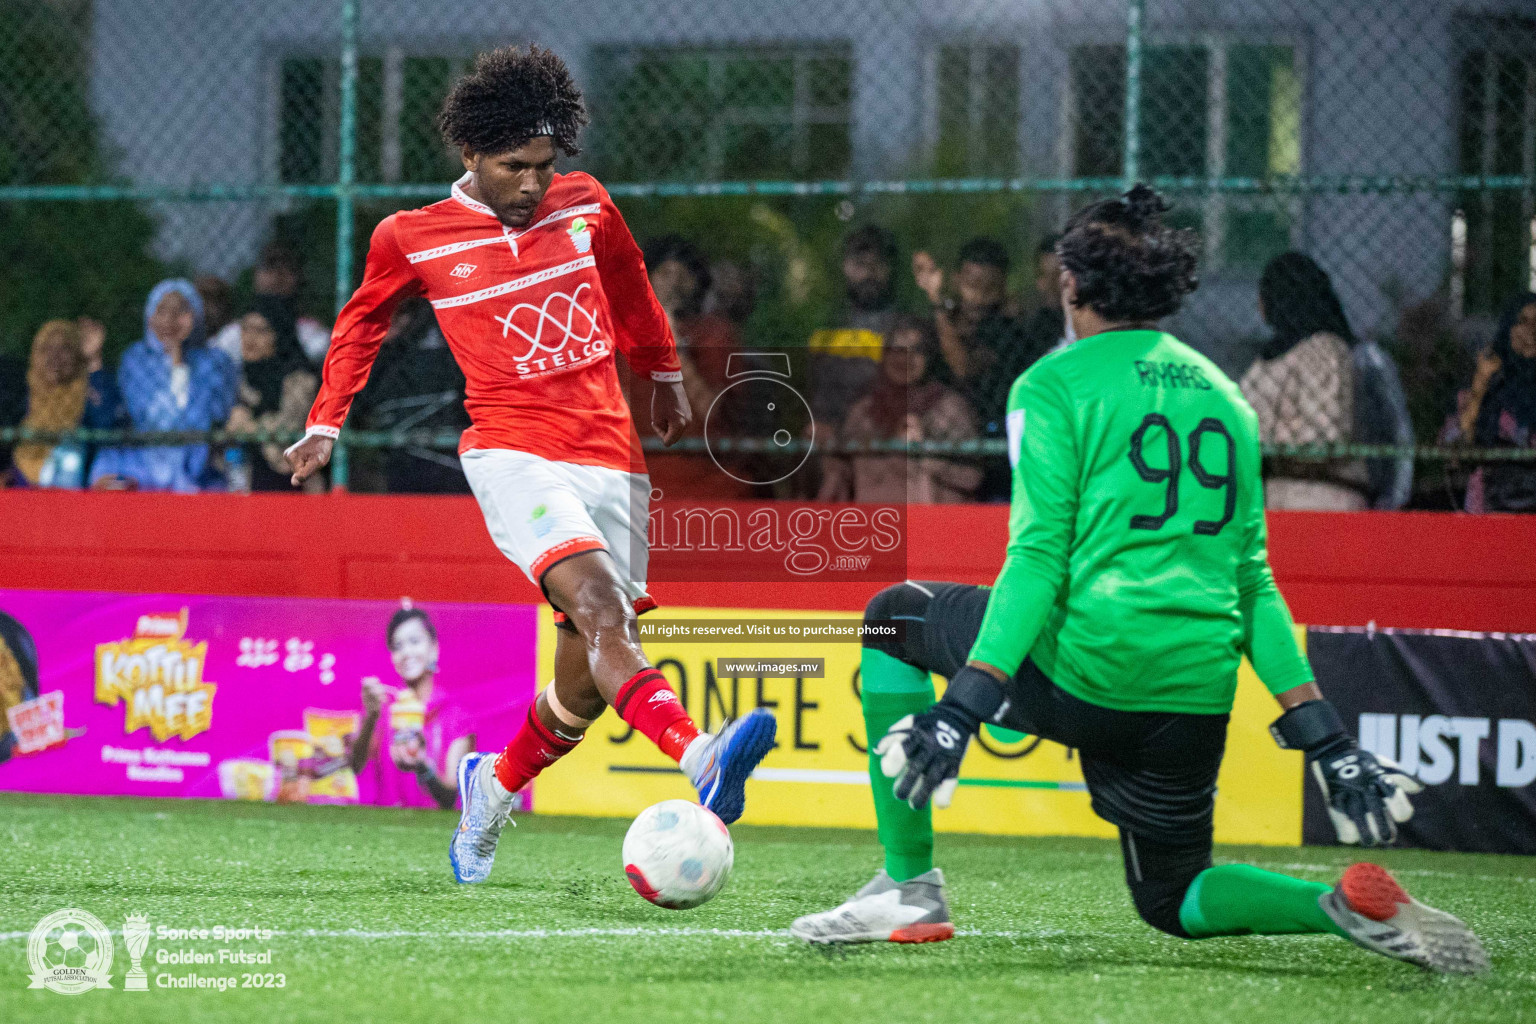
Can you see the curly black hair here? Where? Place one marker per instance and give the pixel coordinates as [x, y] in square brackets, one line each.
[511, 96]
[1129, 265]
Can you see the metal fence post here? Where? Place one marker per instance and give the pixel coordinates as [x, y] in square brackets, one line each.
[346, 168]
[1134, 13]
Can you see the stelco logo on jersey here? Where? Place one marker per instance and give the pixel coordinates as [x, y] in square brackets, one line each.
[561, 332]
[158, 676]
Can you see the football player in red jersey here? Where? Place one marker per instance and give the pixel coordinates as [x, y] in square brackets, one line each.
[536, 281]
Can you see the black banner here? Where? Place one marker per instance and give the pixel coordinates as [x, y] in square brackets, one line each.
[1457, 711]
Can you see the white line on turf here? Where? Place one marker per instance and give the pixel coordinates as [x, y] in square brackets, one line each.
[541, 933]
[585, 933]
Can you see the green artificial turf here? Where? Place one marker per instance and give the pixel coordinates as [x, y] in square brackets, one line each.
[370, 926]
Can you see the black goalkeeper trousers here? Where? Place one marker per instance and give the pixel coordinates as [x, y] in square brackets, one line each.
[1152, 774]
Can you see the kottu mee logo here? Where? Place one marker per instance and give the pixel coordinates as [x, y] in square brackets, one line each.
[158, 675]
[560, 331]
[70, 952]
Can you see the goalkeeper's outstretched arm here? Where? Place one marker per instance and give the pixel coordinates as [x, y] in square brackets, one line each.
[1367, 795]
[923, 752]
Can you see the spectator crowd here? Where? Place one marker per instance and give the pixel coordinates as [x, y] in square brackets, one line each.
[878, 375]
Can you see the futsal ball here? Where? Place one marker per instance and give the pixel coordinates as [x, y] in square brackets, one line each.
[677, 854]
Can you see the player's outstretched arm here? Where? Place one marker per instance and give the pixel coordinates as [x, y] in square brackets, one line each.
[640, 326]
[923, 752]
[1047, 466]
[1367, 796]
[360, 330]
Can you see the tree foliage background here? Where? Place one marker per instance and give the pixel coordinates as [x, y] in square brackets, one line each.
[67, 259]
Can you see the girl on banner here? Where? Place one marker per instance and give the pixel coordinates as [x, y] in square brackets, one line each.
[406, 752]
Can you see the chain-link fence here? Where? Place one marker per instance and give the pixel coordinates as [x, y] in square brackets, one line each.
[1392, 141]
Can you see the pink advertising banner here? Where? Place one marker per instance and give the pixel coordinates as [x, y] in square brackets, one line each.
[292, 700]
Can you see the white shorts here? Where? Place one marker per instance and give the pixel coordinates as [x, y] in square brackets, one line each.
[540, 512]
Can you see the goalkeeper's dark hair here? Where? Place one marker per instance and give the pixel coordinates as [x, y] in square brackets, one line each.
[512, 96]
[1128, 264]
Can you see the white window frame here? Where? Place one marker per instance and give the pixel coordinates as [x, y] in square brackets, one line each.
[1215, 206]
[802, 113]
[1492, 50]
[975, 81]
[393, 56]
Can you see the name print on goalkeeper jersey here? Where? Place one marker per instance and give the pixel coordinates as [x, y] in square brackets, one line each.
[1136, 481]
[533, 316]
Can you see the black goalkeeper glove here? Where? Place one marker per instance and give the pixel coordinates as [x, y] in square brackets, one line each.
[923, 752]
[1366, 795]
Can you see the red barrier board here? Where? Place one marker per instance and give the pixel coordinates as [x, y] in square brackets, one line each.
[1421, 570]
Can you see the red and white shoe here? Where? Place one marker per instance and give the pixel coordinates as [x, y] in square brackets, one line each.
[885, 910]
[1379, 916]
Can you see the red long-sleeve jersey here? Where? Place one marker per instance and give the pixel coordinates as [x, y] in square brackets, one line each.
[533, 317]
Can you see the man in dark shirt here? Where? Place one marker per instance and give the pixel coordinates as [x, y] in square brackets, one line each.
[984, 348]
[1044, 328]
[416, 385]
[845, 358]
[976, 335]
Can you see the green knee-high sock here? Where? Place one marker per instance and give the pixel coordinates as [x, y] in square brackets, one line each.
[891, 689]
[1237, 899]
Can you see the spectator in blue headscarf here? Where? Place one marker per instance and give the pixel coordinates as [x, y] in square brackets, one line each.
[170, 381]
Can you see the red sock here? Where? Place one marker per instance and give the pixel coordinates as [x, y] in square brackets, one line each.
[533, 749]
[648, 703]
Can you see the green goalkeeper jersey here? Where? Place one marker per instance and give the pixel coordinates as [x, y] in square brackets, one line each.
[1136, 574]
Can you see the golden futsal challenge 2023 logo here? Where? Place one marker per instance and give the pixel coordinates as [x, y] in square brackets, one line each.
[157, 674]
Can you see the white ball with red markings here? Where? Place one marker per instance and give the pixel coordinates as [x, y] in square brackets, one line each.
[678, 855]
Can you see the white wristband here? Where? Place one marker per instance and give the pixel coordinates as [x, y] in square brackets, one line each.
[316, 431]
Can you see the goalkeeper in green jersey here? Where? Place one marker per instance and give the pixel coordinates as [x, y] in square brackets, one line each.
[1135, 580]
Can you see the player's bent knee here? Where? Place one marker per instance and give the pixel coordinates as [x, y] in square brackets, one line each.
[1158, 902]
[898, 601]
[1159, 874]
[602, 611]
[599, 604]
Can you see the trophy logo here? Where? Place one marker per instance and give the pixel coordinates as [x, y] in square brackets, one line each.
[70, 952]
[136, 938]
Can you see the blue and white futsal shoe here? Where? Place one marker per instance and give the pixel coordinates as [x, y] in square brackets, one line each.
[487, 808]
[719, 765]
